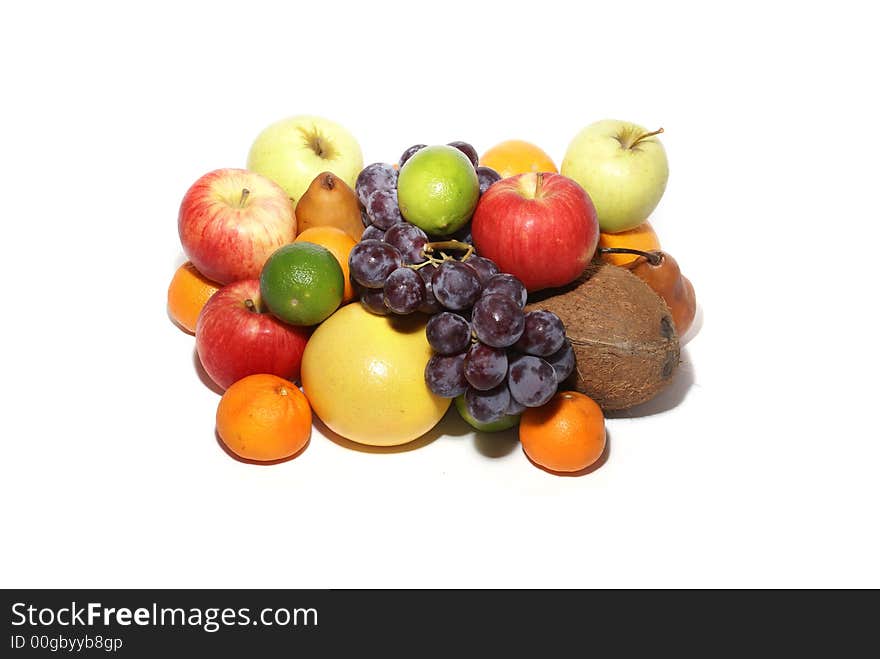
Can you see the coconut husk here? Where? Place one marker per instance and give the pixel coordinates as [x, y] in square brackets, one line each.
[622, 334]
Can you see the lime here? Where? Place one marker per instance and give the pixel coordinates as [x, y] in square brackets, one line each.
[503, 423]
[302, 283]
[438, 189]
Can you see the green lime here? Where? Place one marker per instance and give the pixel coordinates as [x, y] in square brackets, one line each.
[503, 423]
[438, 189]
[302, 283]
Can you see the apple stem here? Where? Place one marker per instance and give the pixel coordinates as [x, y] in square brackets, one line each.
[539, 181]
[249, 303]
[244, 195]
[654, 258]
[645, 136]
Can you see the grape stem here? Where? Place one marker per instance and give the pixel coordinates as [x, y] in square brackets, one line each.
[654, 258]
[430, 249]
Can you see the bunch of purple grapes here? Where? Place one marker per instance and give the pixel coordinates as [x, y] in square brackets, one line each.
[381, 263]
[486, 347]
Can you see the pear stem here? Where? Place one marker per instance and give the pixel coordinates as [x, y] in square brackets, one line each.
[244, 195]
[654, 258]
[329, 181]
[645, 136]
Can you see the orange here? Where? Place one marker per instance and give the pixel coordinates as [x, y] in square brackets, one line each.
[264, 418]
[187, 294]
[566, 434]
[642, 237]
[340, 244]
[517, 157]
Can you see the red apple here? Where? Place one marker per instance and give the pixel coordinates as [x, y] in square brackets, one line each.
[230, 222]
[235, 338]
[541, 228]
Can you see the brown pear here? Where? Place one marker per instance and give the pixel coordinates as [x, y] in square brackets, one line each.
[329, 201]
[661, 272]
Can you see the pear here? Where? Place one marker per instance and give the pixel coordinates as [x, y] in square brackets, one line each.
[330, 201]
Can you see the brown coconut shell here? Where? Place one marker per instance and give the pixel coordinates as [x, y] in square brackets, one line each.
[622, 333]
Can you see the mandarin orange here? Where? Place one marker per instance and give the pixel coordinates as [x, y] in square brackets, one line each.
[264, 418]
[187, 294]
[567, 434]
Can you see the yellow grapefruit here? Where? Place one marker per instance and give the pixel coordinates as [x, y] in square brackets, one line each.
[364, 377]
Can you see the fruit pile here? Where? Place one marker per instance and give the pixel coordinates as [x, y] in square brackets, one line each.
[528, 296]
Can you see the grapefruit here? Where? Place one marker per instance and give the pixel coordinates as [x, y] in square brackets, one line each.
[364, 377]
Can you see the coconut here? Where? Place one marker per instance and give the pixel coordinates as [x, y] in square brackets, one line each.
[622, 334]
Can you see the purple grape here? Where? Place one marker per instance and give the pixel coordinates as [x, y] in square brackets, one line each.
[409, 240]
[456, 285]
[431, 306]
[562, 361]
[531, 380]
[543, 334]
[383, 209]
[487, 406]
[371, 261]
[514, 407]
[378, 176]
[485, 367]
[406, 155]
[467, 150]
[444, 375]
[487, 176]
[505, 284]
[485, 268]
[373, 300]
[404, 291]
[373, 233]
[497, 320]
[448, 333]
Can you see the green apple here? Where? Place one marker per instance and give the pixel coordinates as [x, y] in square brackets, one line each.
[293, 151]
[623, 168]
[438, 189]
[503, 423]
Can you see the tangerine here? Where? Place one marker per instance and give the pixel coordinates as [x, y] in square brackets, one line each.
[517, 157]
[187, 294]
[643, 237]
[264, 418]
[567, 434]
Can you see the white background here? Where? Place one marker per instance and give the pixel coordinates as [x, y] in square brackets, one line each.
[764, 474]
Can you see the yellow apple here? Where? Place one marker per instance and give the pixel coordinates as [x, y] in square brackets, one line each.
[293, 151]
[623, 168]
